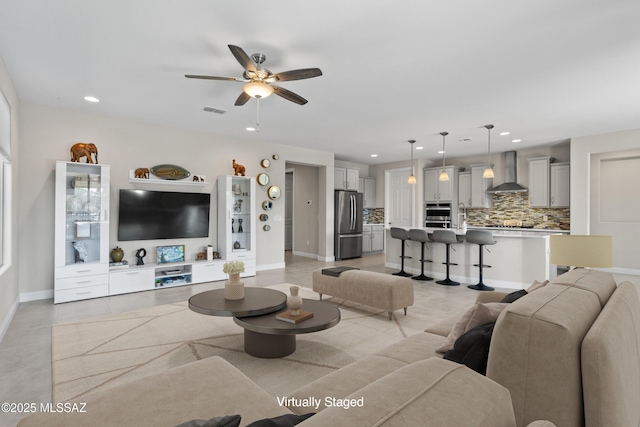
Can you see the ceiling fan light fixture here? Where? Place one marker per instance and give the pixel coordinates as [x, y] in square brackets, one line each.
[257, 89]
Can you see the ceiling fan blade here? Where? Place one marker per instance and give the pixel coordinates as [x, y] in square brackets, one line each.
[288, 95]
[305, 73]
[242, 99]
[193, 76]
[243, 58]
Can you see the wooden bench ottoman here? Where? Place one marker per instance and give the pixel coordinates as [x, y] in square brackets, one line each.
[377, 290]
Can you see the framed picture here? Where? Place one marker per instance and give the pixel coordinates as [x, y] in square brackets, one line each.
[173, 253]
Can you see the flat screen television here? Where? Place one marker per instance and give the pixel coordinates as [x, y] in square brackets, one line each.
[151, 215]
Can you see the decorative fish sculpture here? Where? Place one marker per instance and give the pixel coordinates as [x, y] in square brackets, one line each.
[170, 172]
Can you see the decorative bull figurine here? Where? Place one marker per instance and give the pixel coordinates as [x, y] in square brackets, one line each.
[81, 149]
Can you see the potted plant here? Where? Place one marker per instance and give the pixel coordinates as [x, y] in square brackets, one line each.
[234, 288]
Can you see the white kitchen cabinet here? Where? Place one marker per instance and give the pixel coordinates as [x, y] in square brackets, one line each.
[237, 220]
[346, 179]
[368, 189]
[464, 188]
[81, 218]
[479, 186]
[436, 190]
[131, 279]
[372, 238]
[539, 182]
[560, 176]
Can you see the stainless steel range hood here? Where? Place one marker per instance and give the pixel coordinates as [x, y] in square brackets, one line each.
[510, 167]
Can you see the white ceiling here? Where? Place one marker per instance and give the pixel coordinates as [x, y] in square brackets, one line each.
[545, 70]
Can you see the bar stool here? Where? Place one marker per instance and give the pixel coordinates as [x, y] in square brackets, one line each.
[481, 238]
[448, 237]
[419, 235]
[402, 234]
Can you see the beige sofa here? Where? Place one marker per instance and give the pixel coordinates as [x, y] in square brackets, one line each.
[567, 353]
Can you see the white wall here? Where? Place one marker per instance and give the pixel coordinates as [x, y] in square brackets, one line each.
[9, 276]
[48, 133]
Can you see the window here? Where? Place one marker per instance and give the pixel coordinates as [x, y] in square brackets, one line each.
[5, 183]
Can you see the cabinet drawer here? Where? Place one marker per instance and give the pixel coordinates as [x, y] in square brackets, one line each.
[77, 294]
[81, 282]
[208, 272]
[242, 256]
[81, 269]
[134, 280]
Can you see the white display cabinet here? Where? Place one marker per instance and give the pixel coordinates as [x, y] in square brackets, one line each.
[81, 255]
[237, 221]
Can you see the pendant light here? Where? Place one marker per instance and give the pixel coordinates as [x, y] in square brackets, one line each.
[412, 177]
[444, 176]
[488, 172]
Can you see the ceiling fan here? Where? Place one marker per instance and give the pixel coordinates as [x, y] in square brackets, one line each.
[258, 81]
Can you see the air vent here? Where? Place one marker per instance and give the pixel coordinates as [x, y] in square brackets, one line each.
[214, 110]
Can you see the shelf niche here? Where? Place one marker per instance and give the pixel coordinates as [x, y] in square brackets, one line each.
[159, 184]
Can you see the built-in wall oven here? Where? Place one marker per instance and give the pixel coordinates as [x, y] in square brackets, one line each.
[437, 215]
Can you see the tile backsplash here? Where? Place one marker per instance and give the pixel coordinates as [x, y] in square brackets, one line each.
[373, 216]
[515, 206]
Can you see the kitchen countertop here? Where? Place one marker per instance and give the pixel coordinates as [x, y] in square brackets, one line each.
[530, 233]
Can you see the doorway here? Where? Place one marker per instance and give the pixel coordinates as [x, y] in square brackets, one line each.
[288, 209]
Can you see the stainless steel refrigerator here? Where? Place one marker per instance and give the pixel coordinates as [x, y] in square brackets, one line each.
[348, 224]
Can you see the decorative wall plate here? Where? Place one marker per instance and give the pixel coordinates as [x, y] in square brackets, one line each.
[266, 227]
[170, 172]
[267, 205]
[275, 157]
[263, 179]
[274, 192]
[265, 163]
[264, 217]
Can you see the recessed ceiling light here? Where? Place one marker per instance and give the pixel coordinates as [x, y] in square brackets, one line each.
[441, 152]
[504, 133]
[465, 140]
[419, 148]
[374, 155]
[516, 140]
[250, 129]
[91, 99]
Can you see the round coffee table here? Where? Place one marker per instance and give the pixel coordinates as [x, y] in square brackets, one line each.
[267, 337]
[256, 302]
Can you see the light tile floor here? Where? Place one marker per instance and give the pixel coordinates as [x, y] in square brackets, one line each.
[25, 351]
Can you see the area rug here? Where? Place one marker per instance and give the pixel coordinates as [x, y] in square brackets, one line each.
[102, 352]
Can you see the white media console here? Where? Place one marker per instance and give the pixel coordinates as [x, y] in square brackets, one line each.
[136, 278]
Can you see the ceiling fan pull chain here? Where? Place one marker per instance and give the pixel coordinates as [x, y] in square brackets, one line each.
[257, 114]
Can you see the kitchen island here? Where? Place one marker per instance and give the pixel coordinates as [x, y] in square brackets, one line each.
[519, 257]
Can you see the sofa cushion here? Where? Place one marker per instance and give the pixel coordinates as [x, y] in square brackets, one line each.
[535, 353]
[610, 366]
[364, 371]
[477, 315]
[428, 393]
[514, 296]
[472, 348]
[601, 283]
[197, 390]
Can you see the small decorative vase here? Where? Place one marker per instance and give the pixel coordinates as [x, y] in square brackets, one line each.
[294, 301]
[234, 288]
[117, 254]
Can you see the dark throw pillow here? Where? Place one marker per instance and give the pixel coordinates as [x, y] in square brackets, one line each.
[225, 421]
[288, 420]
[472, 348]
[509, 298]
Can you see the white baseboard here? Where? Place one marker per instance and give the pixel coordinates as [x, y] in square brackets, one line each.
[327, 258]
[305, 254]
[270, 266]
[8, 318]
[35, 296]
